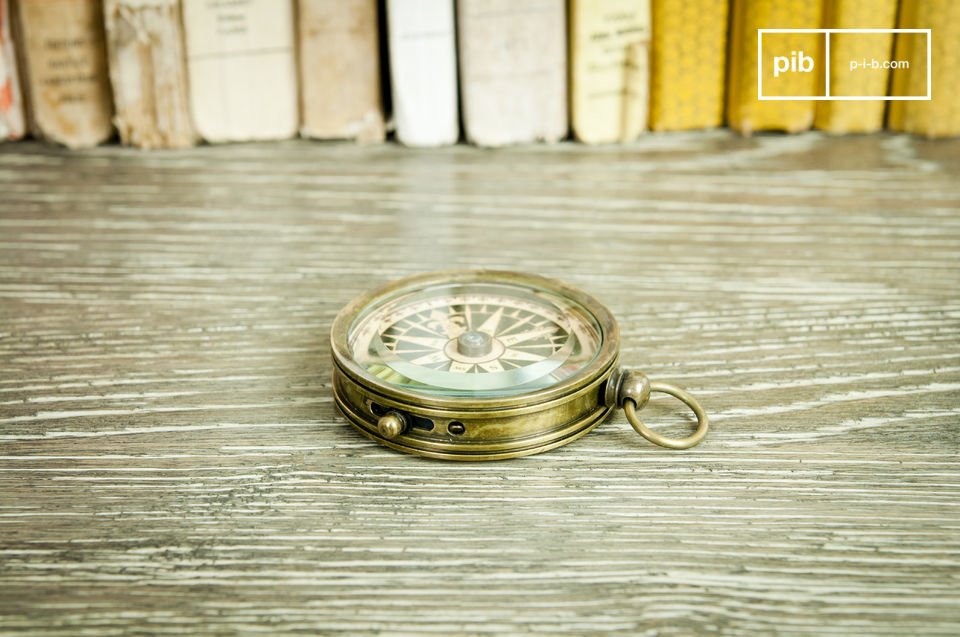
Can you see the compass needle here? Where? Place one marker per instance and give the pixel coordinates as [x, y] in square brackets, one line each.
[519, 323]
[492, 323]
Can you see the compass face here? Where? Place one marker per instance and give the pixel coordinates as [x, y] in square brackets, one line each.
[474, 339]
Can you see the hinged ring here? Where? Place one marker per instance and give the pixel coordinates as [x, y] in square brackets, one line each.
[634, 392]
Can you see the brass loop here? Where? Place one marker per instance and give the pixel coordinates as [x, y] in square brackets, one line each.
[630, 408]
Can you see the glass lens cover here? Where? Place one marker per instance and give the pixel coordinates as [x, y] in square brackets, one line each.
[474, 339]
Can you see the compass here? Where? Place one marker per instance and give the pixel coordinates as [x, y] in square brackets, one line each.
[483, 365]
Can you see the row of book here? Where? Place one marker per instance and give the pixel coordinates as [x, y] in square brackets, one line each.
[170, 73]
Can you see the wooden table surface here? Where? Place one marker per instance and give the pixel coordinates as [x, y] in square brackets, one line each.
[171, 461]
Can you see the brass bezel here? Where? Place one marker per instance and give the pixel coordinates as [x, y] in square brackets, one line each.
[494, 427]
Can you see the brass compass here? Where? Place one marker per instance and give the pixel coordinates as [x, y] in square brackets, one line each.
[483, 365]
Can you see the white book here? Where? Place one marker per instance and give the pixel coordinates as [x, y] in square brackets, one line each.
[609, 43]
[12, 122]
[148, 73]
[513, 70]
[242, 69]
[423, 71]
[340, 83]
[61, 47]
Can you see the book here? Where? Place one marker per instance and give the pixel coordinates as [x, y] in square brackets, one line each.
[242, 69]
[745, 111]
[148, 73]
[65, 71]
[688, 64]
[423, 71]
[940, 116]
[636, 91]
[849, 116]
[513, 70]
[12, 122]
[609, 51]
[340, 70]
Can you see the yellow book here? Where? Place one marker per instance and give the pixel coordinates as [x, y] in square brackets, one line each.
[745, 111]
[939, 117]
[608, 69]
[847, 52]
[688, 64]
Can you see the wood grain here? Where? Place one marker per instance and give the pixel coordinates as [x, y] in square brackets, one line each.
[171, 461]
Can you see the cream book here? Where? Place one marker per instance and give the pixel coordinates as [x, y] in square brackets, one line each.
[745, 111]
[65, 71]
[340, 88]
[513, 70]
[423, 71]
[148, 73]
[940, 116]
[12, 122]
[609, 44]
[242, 69]
[688, 64]
[855, 116]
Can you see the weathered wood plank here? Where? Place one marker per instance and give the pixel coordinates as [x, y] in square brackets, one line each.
[171, 461]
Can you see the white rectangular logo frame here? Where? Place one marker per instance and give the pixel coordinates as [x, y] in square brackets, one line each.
[827, 96]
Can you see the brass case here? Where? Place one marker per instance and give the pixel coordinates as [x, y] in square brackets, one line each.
[464, 428]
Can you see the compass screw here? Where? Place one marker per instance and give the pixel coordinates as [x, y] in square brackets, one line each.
[391, 425]
[474, 344]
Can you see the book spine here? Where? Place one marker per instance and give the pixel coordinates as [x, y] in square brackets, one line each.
[609, 42]
[745, 111]
[423, 71]
[65, 62]
[513, 70]
[242, 69]
[148, 73]
[635, 114]
[12, 120]
[688, 64]
[940, 116]
[843, 116]
[340, 70]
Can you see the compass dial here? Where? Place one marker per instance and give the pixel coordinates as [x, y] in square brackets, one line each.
[475, 339]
